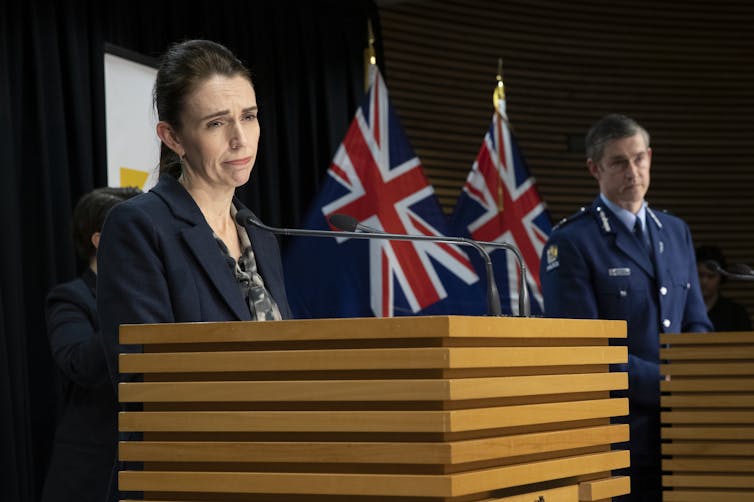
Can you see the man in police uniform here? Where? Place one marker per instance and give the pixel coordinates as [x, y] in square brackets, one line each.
[619, 259]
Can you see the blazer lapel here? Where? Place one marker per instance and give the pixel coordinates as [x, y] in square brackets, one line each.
[199, 239]
[209, 256]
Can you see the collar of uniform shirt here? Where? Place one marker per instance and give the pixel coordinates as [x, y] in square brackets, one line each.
[625, 216]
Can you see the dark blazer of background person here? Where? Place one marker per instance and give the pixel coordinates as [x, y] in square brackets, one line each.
[171, 268]
[86, 433]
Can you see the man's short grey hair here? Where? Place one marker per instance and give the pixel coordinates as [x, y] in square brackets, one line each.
[608, 128]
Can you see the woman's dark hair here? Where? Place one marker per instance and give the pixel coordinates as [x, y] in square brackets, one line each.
[89, 215]
[183, 68]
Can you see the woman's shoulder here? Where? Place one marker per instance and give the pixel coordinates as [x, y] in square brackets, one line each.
[144, 207]
[70, 290]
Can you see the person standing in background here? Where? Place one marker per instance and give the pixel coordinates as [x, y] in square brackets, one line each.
[725, 314]
[619, 259]
[86, 431]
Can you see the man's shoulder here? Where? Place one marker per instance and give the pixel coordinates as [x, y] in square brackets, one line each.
[665, 216]
[574, 221]
[668, 221]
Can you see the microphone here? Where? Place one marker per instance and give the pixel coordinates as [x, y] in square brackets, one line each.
[350, 224]
[737, 271]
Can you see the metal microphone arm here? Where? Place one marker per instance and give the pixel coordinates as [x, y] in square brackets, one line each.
[524, 307]
[493, 297]
[346, 222]
[351, 224]
[742, 272]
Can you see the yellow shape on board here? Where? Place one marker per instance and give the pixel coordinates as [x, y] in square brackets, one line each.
[133, 177]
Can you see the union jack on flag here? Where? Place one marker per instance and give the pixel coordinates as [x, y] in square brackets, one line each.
[376, 178]
[500, 203]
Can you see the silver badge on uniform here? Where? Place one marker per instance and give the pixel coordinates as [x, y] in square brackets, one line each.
[619, 272]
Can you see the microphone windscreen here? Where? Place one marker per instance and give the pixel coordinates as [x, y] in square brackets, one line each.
[713, 265]
[244, 216]
[344, 222]
[740, 269]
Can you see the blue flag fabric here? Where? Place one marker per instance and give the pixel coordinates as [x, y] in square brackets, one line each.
[500, 203]
[376, 178]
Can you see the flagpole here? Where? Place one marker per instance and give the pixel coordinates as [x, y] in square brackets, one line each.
[370, 56]
[498, 101]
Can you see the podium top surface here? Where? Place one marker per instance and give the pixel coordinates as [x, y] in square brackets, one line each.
[458, 327]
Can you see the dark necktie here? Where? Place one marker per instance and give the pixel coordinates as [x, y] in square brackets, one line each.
[642, 236]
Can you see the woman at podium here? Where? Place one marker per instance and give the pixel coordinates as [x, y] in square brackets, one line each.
[176, 253]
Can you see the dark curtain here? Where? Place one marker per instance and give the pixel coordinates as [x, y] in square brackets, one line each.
[307, 62]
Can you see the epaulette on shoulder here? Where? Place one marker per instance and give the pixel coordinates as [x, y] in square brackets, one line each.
[575, 216]
[659, 210]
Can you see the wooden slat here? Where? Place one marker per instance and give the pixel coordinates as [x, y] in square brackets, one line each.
[369, 359]
[720, 338]
[709, 432]
[604, 488]
[706, 369]
[710, 353]
[370, 390]
[562, 494]
[709, 480]
[457, 452]
[709, 465]
[373, 484]
[707, 495]
[707, 448]
[708, 401]
[370, 328]
[707, 417]
[682, 385]
[373, 421]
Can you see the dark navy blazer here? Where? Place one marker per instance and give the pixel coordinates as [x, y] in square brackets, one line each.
[158, 262]
[86, 432]
[593, 267]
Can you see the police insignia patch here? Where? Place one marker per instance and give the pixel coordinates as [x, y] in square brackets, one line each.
[552, 257]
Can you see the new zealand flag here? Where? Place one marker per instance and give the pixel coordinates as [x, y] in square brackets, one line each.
[500, 203]
[376, 178]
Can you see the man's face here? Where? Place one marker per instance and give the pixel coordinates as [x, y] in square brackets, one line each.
[623, 171]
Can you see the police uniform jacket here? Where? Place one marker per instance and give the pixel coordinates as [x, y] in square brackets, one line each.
[593, 267]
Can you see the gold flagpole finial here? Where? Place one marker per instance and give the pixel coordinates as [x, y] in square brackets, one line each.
[499, 93]
[370, 57]
[498, 101]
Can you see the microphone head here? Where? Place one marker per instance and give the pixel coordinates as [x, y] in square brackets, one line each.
[344, 222]
[245, 216]
[714, 266]
[741, 269]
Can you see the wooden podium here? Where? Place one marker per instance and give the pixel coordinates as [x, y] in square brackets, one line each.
[708, 421]
[402, 409]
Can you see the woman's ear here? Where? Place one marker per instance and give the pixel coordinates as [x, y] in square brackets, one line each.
[170, 137]
[95, 239]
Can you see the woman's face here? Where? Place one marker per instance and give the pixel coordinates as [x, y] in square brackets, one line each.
[220, 132]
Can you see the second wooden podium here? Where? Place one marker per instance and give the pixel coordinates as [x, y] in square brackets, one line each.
[403, 409]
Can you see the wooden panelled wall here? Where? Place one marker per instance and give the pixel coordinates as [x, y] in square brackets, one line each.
[684, 69]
